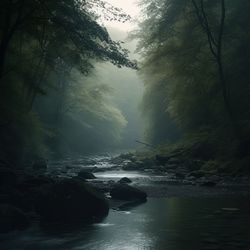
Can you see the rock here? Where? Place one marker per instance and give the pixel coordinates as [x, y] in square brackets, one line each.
[111, 182]
[174, 161]
[7, 177]
[117, 160]
[160, 169]
[188, 182]
[123, 159]
[71, 200]
[86, 175]
[126, 192]
[197, 174]
[40, 164]
[127, 205]
[194, 165]
[137, 165]
[78, 178]
[103, 186]
[12, 218]
[180, 175]
[124, 180]
[210, 167]
[189, 178]
[171, 166]
[127, 156]
[130, 166]
[172, 158]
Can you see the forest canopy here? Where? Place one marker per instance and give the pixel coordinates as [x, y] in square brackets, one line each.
[196, 71]
[47, 48]
[195, 68]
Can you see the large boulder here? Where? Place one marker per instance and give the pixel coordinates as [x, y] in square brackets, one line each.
[71, 200]
[24, 193]
[125, 180]
[130, 166]
[12, 218]
[126, 192]
[86, 175]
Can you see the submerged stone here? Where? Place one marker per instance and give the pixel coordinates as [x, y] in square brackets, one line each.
[125, 180]
[86, 175]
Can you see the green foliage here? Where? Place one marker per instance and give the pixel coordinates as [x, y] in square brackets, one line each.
[178, 64]
[42, 45]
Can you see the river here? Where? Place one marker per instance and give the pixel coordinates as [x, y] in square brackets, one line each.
[162, 223]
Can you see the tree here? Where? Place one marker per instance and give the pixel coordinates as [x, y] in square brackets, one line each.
[197, 52]
[42, 41]
[71, 20]
[215, 45]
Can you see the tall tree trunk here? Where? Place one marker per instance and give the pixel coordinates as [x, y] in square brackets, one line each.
[224, 86]
[5, 38]
[9, 29]
[215, 46]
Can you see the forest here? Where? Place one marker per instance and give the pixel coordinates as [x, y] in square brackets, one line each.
[195, 68]
[48, 49]
[98, 123]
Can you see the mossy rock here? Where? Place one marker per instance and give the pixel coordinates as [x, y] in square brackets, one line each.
[86, 175]
[71, 200]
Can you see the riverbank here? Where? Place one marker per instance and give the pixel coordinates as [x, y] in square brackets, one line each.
[31, 192]
[202, 204]
[172, 175]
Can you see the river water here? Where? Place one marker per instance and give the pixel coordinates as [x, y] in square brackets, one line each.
[162, 223]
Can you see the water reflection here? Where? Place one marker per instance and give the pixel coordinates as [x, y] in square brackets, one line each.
[120, 173]
[161, 224]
